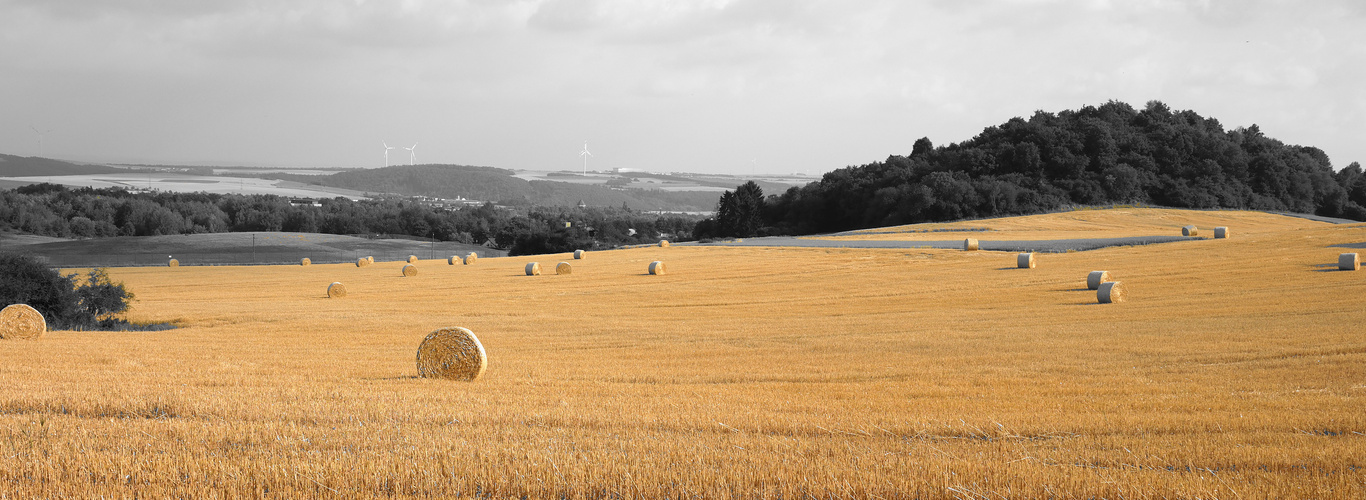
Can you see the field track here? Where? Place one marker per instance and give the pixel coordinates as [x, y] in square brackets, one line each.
[1237, 369]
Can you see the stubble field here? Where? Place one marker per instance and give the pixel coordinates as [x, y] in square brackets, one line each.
[1237, 370]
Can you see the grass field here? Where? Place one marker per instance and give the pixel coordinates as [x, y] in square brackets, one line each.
[1237, 370]
[230, 248]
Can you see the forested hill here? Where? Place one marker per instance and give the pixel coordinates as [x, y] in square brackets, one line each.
[23, 166]
[1096, 155]
[499, 185]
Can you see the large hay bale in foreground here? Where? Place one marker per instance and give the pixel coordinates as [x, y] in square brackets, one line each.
[564, 268]
[533, 269]
[1094, 279]
[1349, 262]
[409, 270]
[657, 267]
[173, 263]
[1190, 231]
[470, 258]
[970, 244]
[1111, 292]
[21, 321]
[453, 259]
[663, 243]
[306, 262]
[362, 262]
[451, 353]
[1025, 260]
[412, 259]
[336, 290]
[579, 254]
[1221, 232]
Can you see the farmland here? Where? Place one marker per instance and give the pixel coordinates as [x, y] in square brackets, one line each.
[1236, 370]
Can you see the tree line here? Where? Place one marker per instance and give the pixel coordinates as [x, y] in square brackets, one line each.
[1110, 154]
[55, 210]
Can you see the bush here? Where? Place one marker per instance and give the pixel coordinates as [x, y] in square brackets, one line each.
[66, 302]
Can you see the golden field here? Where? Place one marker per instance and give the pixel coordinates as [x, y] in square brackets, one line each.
[1236, 370]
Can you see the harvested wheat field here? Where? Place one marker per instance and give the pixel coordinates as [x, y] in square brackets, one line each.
[1236, 369]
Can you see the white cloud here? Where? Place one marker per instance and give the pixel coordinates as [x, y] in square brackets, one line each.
[802, 84]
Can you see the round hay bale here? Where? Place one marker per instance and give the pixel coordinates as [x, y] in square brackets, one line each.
[1025, 260]
[970, 244]
[306, 262]
[1349, 262]
[579, 254]
[453, 259]
[564, 268]
[1190, 231]
[1094, 279]
[336, 290]
[533, 269]
[451, 353]
[21, 321]
[1110, 292]
[1221, 232]
[657, 267]
[362, 262]
[370, 258]
[470, 258]
[409, 270]
[173, 263]
[412, 259]
[664, 243]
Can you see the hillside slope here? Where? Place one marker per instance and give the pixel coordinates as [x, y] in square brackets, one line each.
[20, 166]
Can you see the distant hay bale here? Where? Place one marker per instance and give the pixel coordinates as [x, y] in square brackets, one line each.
[657, 267]
[564, 268]
[20, 321]
[173, 263]
[1349, 262]
[1110, 292]
[306, 262]
[1094, 279]
[1190, 231]
[1025, 260]
[533, 269]
[412, 259]
[970, 244]
[579, 254]
[336, 290]
[409, 270]
[1221, 232]
[452, 353]
[362, 262]
[370, 259]
[664, 243]
[454, 259]
[470, 258]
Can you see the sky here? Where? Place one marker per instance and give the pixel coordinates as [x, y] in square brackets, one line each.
[715, 86]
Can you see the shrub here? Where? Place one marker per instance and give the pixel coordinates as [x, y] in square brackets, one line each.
[67, 302]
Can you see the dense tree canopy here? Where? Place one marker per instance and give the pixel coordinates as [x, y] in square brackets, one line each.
[1095, 155]
[54, 210]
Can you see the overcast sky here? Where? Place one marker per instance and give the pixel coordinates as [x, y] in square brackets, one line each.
[727, 86]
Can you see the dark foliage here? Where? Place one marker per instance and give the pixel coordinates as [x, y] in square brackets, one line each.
[1096, 155]
[66, 302]
[739, 214]
[54, 210]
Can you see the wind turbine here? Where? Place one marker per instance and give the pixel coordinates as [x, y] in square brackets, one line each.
[412, 155]
[40, 133]
[585, 154]
[387, 147]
